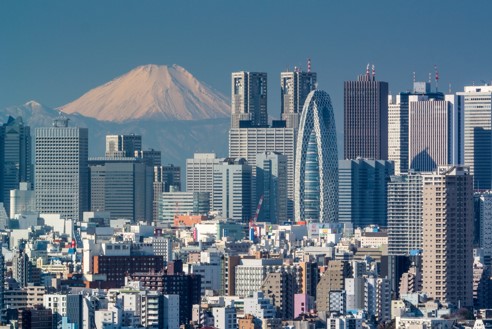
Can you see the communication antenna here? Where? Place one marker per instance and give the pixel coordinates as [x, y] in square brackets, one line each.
[309, 65]
[436, 77]
[449, 89]
[367, 70]
[373, 72]
[430, 77]
[413, 76]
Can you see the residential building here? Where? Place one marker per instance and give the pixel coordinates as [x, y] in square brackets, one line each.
[448, 235]
[366, 118]
[405, 214]
[61, 171]
[316, 163]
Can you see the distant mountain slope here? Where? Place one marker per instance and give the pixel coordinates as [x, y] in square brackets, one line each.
[152, 92]
[177, 140]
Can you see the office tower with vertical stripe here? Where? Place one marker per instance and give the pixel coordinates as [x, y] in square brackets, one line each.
[316, 162]
[15, 158]
[431, 133]
[366, 118]
[61, 171]
[477, 109]
[294, 88]
[249, 99]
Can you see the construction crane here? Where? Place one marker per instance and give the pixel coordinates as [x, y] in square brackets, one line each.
[252, 222]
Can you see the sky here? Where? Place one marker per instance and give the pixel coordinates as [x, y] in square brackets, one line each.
[54, 51]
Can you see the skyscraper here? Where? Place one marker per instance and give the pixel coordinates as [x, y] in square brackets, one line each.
[431, 133]
[122, 186]
[295, 87]
[366, 118]
[405, 214]
[249, 99]
[398, 123]
[477, 103]
[61, 172]
[123, 145]
[316, 163]
[248, 143]
[232, 189]
[448, 236]
[362, 191]
[15, 157]
[271, 185]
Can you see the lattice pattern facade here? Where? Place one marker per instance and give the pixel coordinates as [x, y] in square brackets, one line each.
[316, 167]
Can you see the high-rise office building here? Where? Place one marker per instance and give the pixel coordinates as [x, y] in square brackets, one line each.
[123, 145]
[122, 186]
[178, 203]
[432, 133]
[316, 163]
[249, 99]
[153, 157]
[15, 157]
[271, 186]
[61, 171]
[362, 191]
[232, 189]
[166, 179]
[448, 236]
[366, 118]
[200, 172]
[483, 230]
[295, 87]
[398, 123]
[477, 109]
[405, 214]
[248, 143]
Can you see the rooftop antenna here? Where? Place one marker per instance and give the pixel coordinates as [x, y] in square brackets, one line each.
[449, 89]
[367, 70]
[430, 77]
[373, 72]
[413, 76]
[309, 65]
[436, 77]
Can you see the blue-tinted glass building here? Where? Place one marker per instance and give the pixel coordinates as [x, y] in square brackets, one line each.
[316, 166]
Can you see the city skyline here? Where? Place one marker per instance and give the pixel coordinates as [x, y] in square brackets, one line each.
[132, 35]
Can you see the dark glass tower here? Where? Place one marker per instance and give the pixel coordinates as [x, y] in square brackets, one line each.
[15, 157]
[366, 118]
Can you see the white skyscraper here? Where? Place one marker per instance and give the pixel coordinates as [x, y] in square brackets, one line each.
[248, 143]
[477, 109]
[232, 189]
[432, 135]
[61, 170]
[200, 172]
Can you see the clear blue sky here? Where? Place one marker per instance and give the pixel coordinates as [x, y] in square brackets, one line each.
[54, 51]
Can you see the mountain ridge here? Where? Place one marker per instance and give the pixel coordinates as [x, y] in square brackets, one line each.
[156, 92]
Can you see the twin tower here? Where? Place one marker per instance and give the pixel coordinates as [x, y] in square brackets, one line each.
[309, 113]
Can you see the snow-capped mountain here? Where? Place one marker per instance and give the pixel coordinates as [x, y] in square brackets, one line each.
[156, 92]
